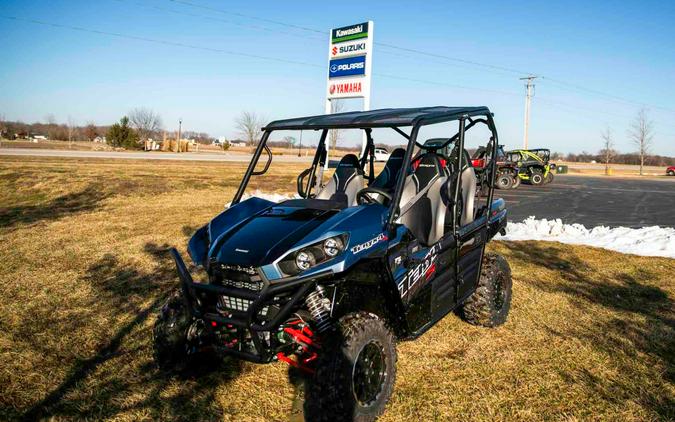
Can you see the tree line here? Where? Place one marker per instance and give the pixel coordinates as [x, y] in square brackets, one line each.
[130, 131]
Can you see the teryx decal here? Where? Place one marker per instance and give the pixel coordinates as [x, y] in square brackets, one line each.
[369, 244]
[424, 271]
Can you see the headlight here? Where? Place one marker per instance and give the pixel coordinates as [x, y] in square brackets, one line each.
[333, 246]
[312, 255]
[304, 260]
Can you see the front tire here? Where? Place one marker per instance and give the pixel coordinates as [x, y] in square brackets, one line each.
[549, 178]
[489, 305]
[671, 173]
[536, 177]
[170, 334]
[355, 374]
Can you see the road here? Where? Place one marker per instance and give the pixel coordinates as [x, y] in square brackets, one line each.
[594, 201]
[587, 200]
[147, 155]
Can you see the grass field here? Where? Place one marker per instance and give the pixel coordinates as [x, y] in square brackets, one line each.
[591, 334]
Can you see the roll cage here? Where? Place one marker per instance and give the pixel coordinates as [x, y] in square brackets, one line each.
[395, 119]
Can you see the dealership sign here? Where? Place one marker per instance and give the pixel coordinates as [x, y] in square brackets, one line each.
[349, 63]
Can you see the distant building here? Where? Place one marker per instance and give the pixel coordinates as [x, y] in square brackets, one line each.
[100, 139]
[39, 137]
[237, 143]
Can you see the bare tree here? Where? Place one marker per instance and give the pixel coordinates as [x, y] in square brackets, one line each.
[641, 133]
[91, 131]
[51, 125]
[3, 126]
[336, 106]
[71, 129]
[608, 145]
[249, 124]
[145, 121]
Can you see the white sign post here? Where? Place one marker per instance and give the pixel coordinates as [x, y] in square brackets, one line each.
[350, 60]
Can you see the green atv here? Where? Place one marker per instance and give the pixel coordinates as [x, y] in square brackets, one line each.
[533, 165]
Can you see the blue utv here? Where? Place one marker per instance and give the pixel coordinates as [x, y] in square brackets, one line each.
[330, 281]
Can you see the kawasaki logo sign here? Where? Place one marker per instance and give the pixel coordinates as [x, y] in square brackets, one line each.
[348, 33]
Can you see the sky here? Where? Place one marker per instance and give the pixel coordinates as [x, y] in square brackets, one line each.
[598, 64]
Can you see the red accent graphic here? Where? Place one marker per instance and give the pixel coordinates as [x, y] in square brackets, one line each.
[332, 89]
[334, 50]
[430, 271]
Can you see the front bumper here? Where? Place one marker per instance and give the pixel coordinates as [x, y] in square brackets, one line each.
[254, 332]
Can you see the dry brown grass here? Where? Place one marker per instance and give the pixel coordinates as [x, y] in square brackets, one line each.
[591, 334]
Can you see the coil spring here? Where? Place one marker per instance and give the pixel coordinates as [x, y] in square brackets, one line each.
[319, 308]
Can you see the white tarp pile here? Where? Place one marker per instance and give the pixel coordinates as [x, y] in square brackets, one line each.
[645, 241]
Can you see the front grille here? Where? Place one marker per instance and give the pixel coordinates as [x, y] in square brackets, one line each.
[237, 277]
[228, 304]
[240, 278]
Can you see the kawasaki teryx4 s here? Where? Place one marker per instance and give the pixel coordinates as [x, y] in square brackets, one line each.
[329, 282]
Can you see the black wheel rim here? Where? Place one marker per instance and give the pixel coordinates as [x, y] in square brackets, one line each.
[368, 373]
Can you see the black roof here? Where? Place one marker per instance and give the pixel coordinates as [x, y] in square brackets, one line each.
[386, 117]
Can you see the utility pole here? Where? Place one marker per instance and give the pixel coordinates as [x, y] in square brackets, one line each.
[180, 122]
[528, 96]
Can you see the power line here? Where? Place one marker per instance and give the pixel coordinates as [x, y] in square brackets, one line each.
[274, 59]
[242, 15]
[213, 18]
[487, 66]
[235, 53]
[604, 94]
[163, 42]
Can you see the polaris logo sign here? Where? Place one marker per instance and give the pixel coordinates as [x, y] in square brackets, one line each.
[350, 66]
[348, 33]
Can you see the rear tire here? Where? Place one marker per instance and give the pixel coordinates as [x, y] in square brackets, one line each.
[504, 181]
[489, 305]
[355, 374]
[536, 177]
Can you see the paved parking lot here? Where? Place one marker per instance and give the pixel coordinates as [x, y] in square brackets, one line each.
[594, 201]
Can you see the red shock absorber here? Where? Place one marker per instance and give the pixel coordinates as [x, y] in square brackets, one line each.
[300, 334]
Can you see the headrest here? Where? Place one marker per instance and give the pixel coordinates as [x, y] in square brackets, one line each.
[348, 162]
[427, 166]
[395, 160]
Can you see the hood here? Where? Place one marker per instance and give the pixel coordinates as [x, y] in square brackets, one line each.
[264, 237]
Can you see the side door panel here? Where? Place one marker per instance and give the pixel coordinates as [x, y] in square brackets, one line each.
[469, 255]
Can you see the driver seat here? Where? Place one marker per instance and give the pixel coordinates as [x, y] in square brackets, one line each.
[387, 178]
[346, 182]
[422, 207]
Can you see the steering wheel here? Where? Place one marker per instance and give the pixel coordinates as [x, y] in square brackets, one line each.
[364, 198]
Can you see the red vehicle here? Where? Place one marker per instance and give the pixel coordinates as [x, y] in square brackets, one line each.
[670, 171]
